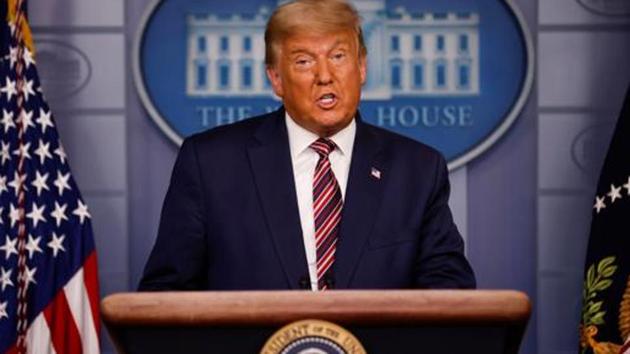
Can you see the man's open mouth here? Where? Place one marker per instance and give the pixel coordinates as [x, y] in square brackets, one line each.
[327, 100]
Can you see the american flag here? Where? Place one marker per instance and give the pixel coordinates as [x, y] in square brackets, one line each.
[48, 272]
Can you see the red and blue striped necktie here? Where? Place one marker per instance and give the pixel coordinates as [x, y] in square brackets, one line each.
[327, 204]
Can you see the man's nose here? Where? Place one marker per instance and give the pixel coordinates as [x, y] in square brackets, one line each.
[324, 73]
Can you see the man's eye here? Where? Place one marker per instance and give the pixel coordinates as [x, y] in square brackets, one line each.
[302, 62]
[339, 56]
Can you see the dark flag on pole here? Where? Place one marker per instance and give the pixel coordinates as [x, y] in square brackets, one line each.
[48, 273]
[605, 322]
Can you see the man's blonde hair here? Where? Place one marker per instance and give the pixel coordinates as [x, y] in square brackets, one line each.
[311, 16]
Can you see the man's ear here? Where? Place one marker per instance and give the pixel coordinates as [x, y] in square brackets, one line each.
[276, 80]
[363, 68]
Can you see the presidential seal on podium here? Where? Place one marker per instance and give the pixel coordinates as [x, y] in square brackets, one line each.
[312, 337]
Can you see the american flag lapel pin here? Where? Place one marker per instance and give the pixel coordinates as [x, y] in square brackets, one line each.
[375, 173]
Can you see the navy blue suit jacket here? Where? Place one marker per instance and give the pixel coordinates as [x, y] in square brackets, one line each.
[230, 219]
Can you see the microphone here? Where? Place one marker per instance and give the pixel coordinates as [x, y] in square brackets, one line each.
[304, 283]
[330, 282]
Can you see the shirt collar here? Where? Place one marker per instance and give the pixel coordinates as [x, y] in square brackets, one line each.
[300, 139]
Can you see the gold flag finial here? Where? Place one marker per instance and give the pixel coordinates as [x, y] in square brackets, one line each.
[27, 35]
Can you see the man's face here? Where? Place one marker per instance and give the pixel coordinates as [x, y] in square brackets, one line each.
[319, 79]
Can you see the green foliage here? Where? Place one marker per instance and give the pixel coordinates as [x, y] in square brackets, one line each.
[596, 281]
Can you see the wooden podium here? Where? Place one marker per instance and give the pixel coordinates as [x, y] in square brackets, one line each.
[391, 322]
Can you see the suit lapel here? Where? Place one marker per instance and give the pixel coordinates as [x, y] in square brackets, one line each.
[363, 195]
[270, 159]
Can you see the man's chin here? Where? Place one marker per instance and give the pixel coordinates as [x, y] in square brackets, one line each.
[328, 128]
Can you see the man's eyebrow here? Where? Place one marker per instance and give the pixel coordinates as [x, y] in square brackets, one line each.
[335, 45]
[338, 43]
[300, 51]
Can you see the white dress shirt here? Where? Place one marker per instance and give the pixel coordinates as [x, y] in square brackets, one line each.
[304, 160]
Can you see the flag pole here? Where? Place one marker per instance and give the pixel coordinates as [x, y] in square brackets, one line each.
[22, 302]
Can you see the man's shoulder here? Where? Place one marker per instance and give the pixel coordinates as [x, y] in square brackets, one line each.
[233, 134]
[403, 146]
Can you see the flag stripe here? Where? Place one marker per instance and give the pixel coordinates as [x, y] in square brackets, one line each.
[38, 337]
[64, 333]
[90, 272]
[81, 312]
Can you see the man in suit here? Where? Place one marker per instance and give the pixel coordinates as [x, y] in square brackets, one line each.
[309, 196]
